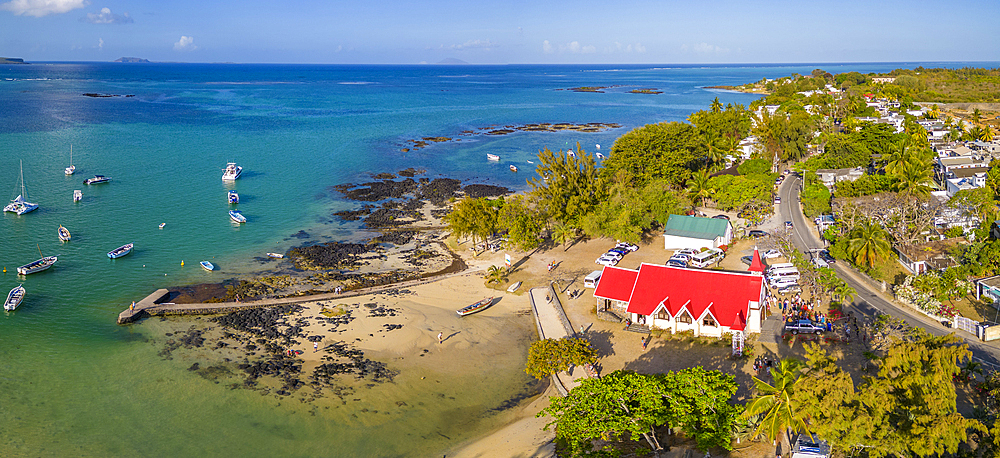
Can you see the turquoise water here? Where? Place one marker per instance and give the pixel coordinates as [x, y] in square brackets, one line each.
[73, 382]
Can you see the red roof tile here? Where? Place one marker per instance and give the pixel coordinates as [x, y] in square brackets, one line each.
[756, 265]
[616, 283]
[728, 293]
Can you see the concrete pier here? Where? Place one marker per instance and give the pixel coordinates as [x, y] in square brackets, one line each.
[552, 323]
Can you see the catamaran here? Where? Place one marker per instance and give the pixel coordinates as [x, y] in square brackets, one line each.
[64, 234]
[72, 168]
[120, 251]
[14, 298]
[77, 195]
[18, 204]
[232, 172]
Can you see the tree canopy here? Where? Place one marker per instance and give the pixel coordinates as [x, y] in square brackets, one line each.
[667, 151]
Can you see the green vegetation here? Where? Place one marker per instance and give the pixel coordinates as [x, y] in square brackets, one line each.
[550, 356]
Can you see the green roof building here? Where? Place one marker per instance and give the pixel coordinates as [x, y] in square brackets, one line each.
[694, 232]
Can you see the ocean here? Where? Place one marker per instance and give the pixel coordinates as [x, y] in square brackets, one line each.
[72, 382]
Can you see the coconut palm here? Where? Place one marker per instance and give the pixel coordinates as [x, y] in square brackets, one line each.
[977, 116]
[913, 177]
[845, 292]
[716, 105]
[562, 232]
[775, 402]
[699, 187]
[496, 275]
[869, 244]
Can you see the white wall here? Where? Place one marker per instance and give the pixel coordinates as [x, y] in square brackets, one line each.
[673, 242]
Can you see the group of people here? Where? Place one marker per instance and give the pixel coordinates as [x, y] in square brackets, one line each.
[762, 363]
[338, 289]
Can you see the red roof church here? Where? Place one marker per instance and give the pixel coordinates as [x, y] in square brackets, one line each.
[708, 302]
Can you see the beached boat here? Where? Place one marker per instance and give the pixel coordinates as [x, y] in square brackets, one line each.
[236, 216]
[207, 266]
[64, 234]
[162, 224]
[98, 179]
[232, 172]
[14, 298]
[513, 168]
[120, 251]
[477, 307]
[514, 287]
[19, 204]
[72, 168]
[492, 157]
[77, 195]
[275, 255]
[37, 266]
[234, 198]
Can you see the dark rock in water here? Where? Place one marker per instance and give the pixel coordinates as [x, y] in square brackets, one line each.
[485, 190]
[439, 190]
[411, 172]
[384, 176]
[332, 255]
[378, 190]
[301, 235]
[354, 215]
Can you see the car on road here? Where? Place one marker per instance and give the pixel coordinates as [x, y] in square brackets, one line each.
[757, 233]
[804, 327]
[819, 262]
[604, 261]
[787, 171]
[772, 253]
[825, 255]
[788, 224]
[777, 199]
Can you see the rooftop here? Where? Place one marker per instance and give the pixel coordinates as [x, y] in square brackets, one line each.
[695, 227]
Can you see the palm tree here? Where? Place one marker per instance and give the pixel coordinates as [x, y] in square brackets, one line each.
[869, 244]
[563, 233]
[913, 177]
[775, 402]
[977, 116]
[717, 105]
[845, 292]
[496, 275]
[699, 187]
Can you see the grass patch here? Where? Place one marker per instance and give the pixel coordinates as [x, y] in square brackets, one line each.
[332, 312]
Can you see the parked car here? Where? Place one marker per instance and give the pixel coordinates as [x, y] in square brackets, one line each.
[825, 254]
[605, 261]
[757, 233]
[687, 251]
[819, 262]
[627, 246]
[620, 251]
[749, 260]
[790, 289]
[805, 327]
[674, 261]
[777, 199]
[721, 217]
[682, 256]
[772, 253]
[788, 224]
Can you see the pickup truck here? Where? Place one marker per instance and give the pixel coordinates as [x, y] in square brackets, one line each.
[804, 326]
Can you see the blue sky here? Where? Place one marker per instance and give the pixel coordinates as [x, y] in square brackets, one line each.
[538, 31]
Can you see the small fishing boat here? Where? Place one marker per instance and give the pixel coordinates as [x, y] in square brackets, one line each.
[207, 266]
[14, 298]
[514, 287]
[162, 224]
[234, 198]
[77, 195]
[513, 168]
[37, 266]
[64, 234]
[492, 157]
[477, 307]
[232, 172]
[18, 204]
[120, 251]
[236, 216]
[600, 156]
[570, 153]
[530, 162]
[275, 255]
[98, 179]
[72, 168]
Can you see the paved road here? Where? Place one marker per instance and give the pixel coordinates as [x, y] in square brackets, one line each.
[869, 300]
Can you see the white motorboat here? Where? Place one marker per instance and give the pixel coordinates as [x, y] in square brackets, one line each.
[98, 179]
[600, 156]
[121, 251]
[72, 168]
[64, 234]
[162, 224]
[275, 255]
[234, 197]
[237, 216]
[77, 195]
[14, 298]
[37, 266]
[232, 172]
[513, 168]
[207, 266]
[492, 157]
[19, 204]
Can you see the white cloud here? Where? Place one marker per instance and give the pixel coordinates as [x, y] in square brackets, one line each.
[186, 43]
[39, 8]
[100, 43]
[573, 47]
[475, 44]
[704, 48]
[547, 47]
[107, 17]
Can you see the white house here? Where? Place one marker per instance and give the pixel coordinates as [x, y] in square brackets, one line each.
[693, 232]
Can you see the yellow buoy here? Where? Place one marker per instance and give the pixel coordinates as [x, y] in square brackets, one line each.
[182, 263]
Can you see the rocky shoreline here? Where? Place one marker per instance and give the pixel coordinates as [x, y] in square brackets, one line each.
[496, 130]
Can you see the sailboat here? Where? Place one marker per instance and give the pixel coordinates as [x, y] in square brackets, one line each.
[19, 205]
[71, 168]
[37, 266]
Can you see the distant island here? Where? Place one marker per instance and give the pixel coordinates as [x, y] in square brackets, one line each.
[132, 60]
[12, 60]
[452, 61]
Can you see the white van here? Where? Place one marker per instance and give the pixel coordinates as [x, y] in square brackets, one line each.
[591, 280]
[707, 258]
[783, 276]
[780, 266]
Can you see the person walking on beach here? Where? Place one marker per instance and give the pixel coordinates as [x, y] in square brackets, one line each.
[440, 337]
[315, 347]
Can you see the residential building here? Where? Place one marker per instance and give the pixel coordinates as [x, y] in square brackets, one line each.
[830, 177]
[934, 255]
[953, 185]
[989, 289]
[683, 231]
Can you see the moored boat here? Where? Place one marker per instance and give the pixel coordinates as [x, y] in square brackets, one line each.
[120, 251]
[77, 195]
[492, 157]
[98, 179]
[64, 234]
[14, 298]
[234, 197]
[514, 287]
[477, 307]
[237, 216]
[72, 168]
[19, 204]
[207, 266]
[275, 255]
[600, 156]
[570, 153]
[513, 168]
[232, 172]
[37, 266]
[162, 224]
